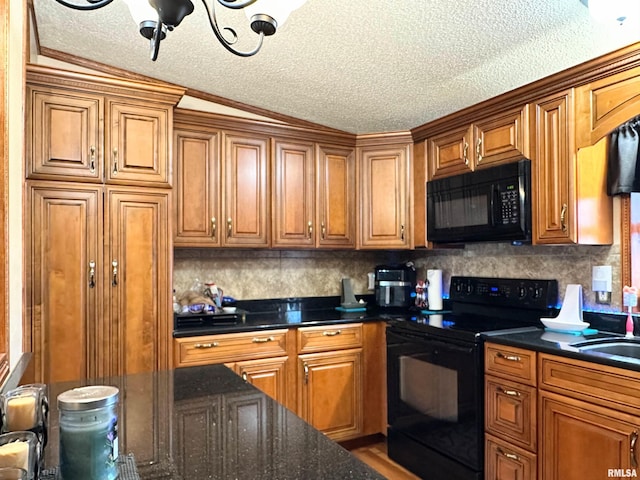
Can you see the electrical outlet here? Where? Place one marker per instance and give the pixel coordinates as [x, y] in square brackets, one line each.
[603, 298]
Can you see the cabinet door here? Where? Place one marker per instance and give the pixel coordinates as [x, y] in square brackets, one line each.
[197, 189]
[138, 144]
[501, 139]
[269, 375]
[553, 170]
[330, 396]
[510, 411]
[506, 462]
[450, 153]
[293, 194]
[582, 441]
[335, 197]
[384, 197]
[246, 192]
[64, 135]
[64, 291]
[137, 280]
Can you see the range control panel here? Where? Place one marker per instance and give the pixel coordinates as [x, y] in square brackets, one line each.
[505, 292]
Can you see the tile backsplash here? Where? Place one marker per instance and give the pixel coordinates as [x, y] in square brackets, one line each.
[256, 274]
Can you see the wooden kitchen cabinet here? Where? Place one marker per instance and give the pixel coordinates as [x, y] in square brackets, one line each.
[197, 193]
[496, 140]
[511, 442]
[98, 129]
[103, 276]
[330, 381]
[569, 200]
[385, 196]
[293, 198]
[245, 204]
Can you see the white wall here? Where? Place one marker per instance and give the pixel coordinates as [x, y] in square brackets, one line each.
[16, 154]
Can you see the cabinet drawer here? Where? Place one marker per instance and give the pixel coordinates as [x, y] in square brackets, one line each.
[330, 337]
[611, 387]
[511, 412]
[510, 362]
[232, 347]
[507, 462]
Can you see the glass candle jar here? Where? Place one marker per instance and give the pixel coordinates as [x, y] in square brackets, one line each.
[18, 449]
[89, 433]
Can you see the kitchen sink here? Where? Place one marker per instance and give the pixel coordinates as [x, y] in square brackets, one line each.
[629, 348]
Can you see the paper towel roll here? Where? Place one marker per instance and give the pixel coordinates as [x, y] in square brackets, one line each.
[434, 292]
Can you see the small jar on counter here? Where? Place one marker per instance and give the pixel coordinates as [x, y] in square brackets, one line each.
[89, 433]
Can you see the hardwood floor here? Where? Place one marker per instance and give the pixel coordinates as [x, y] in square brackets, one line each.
[375, 455]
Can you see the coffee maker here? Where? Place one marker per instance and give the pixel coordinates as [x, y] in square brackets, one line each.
[395, 285]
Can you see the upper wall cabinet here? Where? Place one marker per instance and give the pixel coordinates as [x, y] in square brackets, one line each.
[93, 129]
[570, 204]
[495, 140]
[385, 196]
[313, 200]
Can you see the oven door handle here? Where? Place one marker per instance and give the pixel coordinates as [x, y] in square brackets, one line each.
[436, 343]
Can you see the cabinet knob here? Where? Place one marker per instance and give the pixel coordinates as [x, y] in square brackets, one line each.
[322, 230]
[465, 152]
[92, 159]
[213, 227]
[511, 456]
[263, 340]
[632, 449]
[92, 274]
[306, 372]
[510, 393]
[331, 333]
[402, 232]
[205, 345]
[114, 273]
[229, 226]
[509, 358]
[563, 217]
[479, 150]
[115, 162]
[310, 228]
[245, 377]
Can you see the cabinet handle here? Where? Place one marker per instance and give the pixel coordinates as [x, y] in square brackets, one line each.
[510, 358]
[92, 159]
[206, 345]
[479, 151]
[114, 270]
[511, 456]
[306, 372]
[245, 377]
[310, 228]
[465, 151]
[322, 229]
[213, 227]
[263, 340]
[402, 232]
[563, 217]
[511, 393]
[632, 449]
[331, 333]
[92, 274]
[115, 162]
[229, 226]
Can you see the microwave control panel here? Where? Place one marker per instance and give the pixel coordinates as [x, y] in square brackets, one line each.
[510, 205]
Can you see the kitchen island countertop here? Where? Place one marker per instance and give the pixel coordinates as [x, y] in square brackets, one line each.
[205, 422]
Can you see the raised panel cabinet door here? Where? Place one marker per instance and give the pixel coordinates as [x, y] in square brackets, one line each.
[64, 135]
[197, 189]
[137, 281]
[330, 395]
[335, 197]
[384, 199]
[293, 195]
[246, 192]
[553, 170]
[268, 375]
[582, 441]
[506, 462]
[501, 139]
[450, 153]
[137, 150]
[65, 287]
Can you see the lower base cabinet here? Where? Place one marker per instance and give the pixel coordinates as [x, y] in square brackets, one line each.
[268, 375]
[507, 462]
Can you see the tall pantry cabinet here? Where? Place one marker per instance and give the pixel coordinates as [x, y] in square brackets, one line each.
[97, 238]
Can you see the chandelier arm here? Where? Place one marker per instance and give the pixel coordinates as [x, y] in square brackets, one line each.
[236, 5]
[91, 6]
[155, 41]
[211, 15]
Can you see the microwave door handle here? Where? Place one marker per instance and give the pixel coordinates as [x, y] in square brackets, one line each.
[492, 218]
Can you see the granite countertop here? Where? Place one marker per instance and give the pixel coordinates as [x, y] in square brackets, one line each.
[205, 422]
[557, 343]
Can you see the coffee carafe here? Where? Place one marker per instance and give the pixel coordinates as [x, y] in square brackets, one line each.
[395, 284]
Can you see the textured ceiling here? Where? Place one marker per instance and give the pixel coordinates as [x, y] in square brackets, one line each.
[361, 66]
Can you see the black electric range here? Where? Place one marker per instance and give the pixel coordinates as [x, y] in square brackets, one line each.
[435, 372]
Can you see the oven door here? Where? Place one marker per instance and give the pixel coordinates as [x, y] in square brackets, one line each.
[435, 389]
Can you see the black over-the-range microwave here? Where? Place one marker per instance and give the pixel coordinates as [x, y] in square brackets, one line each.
[493, 204]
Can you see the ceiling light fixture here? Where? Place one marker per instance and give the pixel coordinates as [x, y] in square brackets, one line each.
[157, 17]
